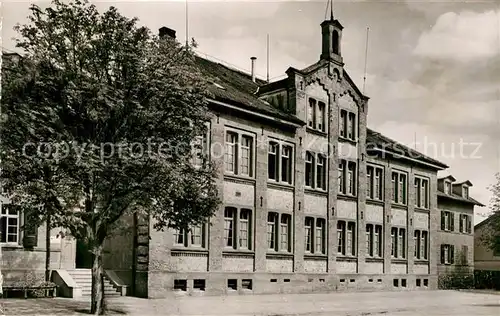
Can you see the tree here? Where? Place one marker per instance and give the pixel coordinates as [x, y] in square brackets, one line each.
[122, 107]
[491, 236]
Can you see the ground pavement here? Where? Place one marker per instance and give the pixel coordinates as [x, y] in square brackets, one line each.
[417, 303]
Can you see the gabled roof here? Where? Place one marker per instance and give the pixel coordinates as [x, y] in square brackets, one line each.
[487, 220]
[376, 142]
[450, 177]
[466, 182]
[457, 197]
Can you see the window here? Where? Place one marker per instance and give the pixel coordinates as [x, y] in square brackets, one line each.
[347, 122]
[447, 254]
[279, 233]
[245, 228]
[421, 192]
[465, 255]
[239, 153]
[341, 237]
[421, 239]
[246, 155]
[347, 177]
[9, 224]
[346, 238]
[321, 116]
[194, 236]
[316, 167]
[399, 189]
[316, 115]
[374, 183]
[273, 161]
[199, 284]
[402, 243]
[466, 192]
[286, 164]
[398, 243]
[272, 221]
[373, 240]
[246, 284]
[309, 169]
[447, 221]
[201, 148]
[241, 238]
[280, 153]
[229, 216]
[180, 285]
[315, 235]
[319, 237]
[321, 172]
[465, 224]
[311, 114]
[232, 284]
[285, 228]
[231, 151]
[447, 188]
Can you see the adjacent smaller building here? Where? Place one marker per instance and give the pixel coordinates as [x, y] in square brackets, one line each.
[456, 228]
[485, 259]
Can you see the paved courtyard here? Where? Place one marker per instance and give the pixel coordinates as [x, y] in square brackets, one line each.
[338, 304]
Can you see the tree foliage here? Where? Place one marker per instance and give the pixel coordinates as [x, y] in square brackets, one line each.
[491, 235]
[119, 109]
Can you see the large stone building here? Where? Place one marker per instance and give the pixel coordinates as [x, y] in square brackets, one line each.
[313, 200]
[456, 230]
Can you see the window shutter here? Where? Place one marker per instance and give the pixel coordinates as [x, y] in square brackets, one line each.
[452, 254]
[442, 220]
[30, 232]
[469, 224]
[442, 254]
[452, 219]
[461, 224]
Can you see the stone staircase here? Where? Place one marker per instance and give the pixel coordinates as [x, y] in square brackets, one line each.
[83, 278]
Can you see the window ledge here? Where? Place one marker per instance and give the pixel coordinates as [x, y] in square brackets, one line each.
[374, 259]
[316, 191]
[316, 131]
[9, 246]
[315, 256]
[348, 140]
[280, 185]
[399, 206]
[279, 255]
[421, 261]
[422, 209]
[343, 196]
[346, 258]
[375, 202]
[239, 179]
[399, 260]
[238, 252]
[189, 250]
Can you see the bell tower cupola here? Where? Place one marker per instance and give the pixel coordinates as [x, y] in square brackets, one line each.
[331, 31]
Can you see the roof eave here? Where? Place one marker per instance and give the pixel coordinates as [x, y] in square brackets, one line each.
[421, 162]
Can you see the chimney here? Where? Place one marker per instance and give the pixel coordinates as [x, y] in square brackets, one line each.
[253, 68]
[166, 32]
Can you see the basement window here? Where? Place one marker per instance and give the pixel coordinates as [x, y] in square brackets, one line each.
[232, 284]
[180, 285]
[199, 284]
[352, 280]
[395, 282]
[426, 282]
[321, 280]
[286, 280]
[379, 280]
[370, 280]
[246, 284]
[274, 280]
[403, 282]
[419, 283]
[342, 280]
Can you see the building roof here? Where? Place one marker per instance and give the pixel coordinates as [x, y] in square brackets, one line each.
[237, 88]
[377, 142]
[487, 220]
[450, 177]
[467, 182]
[457, 197]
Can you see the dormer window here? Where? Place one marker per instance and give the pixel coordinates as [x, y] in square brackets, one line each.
[466, 192]
[447, 188]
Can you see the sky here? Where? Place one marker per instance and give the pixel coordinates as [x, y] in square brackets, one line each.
[432, 75]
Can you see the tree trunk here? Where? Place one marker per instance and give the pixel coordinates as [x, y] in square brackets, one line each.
[47, 248]
[97, 307]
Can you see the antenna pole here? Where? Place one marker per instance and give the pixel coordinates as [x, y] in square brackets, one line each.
[187, 25]
[268, 58]
[366, 58]
[331, 10]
